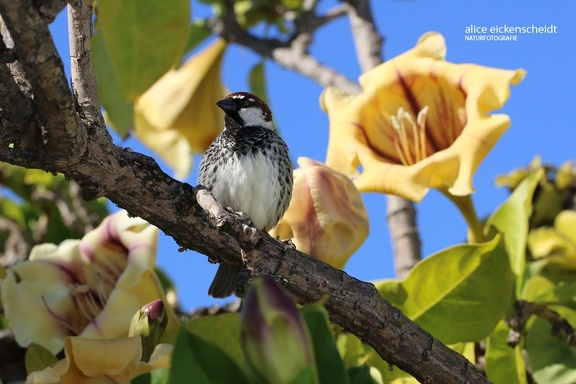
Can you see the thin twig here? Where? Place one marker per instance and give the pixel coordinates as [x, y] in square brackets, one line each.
[561, 329]
[83, 78]
[292, 55]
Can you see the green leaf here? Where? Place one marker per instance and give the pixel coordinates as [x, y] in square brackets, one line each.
[458, 294]
[37, 358]
[222, 330]
[157, 376]
[257, 81]
[10, 210]
[351, 350]
[143, 39]
[503, 363]
[512, 219]
[551, 360]
[329, 364]
[196, 360]
[360, 375]
[539, 289]
[292, 4]
[119, 111]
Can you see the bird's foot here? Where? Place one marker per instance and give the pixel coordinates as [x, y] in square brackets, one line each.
[244, 218]
[288, 244]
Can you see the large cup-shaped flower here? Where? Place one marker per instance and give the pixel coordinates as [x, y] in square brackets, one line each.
[420, 122]
[113, 361]
[178, 115]
[89, 288]
[326, 217]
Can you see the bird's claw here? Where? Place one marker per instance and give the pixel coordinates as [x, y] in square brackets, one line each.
[288, 244]
[244, 218]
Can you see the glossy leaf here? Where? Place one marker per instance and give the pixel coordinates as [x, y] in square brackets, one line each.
[200, 361]
[551, 360]
[222, 330]
[257, 80]
[503, 363]
[511, 219]
[143, 39]
[329, 364]
[119, 110]
[541, 290]
[448, 293]
[351, 349]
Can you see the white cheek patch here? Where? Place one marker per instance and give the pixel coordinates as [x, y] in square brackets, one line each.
[255, 117]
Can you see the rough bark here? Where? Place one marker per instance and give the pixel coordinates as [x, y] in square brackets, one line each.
[84, 152]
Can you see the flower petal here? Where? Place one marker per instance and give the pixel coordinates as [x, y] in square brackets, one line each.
[90, 287]
[96, 361]
[326, 217]
[441, 151]
[178, 116]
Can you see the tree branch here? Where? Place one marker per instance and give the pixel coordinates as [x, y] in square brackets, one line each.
[196, 221]
[82, 75]
[366, 37]
[49, 9]
[193, 218]
[561, 329]
[37, 54]
[292, 55]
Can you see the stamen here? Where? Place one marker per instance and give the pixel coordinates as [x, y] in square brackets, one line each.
[398, 128]
[410, 153]
[421, 121]
[403, 137]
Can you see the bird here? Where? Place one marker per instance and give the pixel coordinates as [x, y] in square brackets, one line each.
[248, 169]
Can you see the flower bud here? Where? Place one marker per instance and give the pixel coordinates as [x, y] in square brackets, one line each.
[273, 335]
[326, 217]
[149, 323]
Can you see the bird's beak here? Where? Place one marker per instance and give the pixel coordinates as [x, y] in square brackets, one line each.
[230, 107]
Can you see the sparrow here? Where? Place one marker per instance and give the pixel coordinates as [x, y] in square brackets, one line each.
[247, 168]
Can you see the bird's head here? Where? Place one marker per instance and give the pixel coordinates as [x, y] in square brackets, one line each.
[247, 110]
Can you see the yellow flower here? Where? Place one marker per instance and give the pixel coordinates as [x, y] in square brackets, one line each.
[178, 115]
[113, 361]
[420, 122]
[89, 288]
[326, 217]
[555, 246]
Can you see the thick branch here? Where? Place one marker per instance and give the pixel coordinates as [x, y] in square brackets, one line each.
[49, 9]
[44, 70]
[193, 218]
[83, 77]
[18, 125]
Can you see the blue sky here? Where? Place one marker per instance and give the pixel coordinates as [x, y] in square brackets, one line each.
[541, 109]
